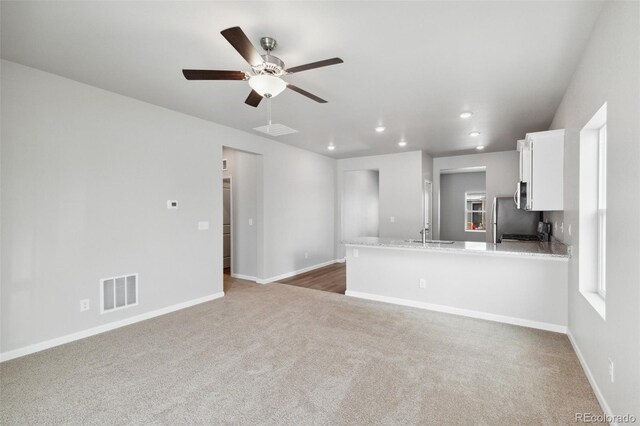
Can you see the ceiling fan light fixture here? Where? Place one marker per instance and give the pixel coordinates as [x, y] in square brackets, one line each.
[267, 86]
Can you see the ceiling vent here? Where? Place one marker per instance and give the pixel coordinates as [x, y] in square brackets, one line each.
[276, 129]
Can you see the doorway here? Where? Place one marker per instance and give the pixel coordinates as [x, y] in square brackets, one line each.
[463, 204]
[242, 216]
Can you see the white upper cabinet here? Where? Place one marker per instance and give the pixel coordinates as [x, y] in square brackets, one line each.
[542, 168]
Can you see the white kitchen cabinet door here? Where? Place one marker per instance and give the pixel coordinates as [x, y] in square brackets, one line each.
[545, 187]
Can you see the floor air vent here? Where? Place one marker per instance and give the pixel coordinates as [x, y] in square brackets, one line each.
[119, 292]
[276, 129]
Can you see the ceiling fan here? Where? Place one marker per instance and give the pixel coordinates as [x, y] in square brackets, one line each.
[266, 70]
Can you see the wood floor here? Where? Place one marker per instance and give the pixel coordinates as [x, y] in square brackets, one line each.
[331, 278]
[228, 280]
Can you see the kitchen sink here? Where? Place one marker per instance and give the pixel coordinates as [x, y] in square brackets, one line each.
[430, 241]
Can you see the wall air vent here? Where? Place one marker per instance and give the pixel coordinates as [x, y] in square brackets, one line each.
[276, 129]
[118, 292]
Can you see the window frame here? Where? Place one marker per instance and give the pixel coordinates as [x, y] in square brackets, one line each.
[467, 198]
[592, 212]
[602, 211]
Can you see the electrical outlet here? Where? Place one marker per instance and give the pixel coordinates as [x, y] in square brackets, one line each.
[355, 252]
[555, 226]
[84, 305]
[306, 254]
[423, 283]
[569, 229]
[392, 219]
[172, 204]
[562, 227]
[611, 370]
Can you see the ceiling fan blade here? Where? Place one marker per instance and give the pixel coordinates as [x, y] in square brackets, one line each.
[241, 43]
[312, 65]
[305, 93]
[214, 75]
[253, 99]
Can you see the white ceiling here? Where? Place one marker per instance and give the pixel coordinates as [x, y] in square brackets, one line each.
[411, 66]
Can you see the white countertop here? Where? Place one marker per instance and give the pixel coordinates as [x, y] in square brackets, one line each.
[524, 248]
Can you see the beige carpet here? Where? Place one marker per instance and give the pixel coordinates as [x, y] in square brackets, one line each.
[277, 354]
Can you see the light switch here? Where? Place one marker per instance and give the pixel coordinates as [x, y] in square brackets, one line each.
[203, 226]
[355, 252]
[250, 221]
[392, 219]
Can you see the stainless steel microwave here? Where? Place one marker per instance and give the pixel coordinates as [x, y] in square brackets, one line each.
[520, 197]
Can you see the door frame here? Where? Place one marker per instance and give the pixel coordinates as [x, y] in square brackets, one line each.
[427, 212]
[231, 268]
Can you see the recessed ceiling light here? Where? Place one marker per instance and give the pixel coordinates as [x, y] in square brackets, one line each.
[466, 114]
[331, 147]
[380, 129]
[474, 134]
[480, 147]
[402, 143]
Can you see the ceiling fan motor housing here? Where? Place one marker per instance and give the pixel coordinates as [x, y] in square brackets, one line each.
[271, 65]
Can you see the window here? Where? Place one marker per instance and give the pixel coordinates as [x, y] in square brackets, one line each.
[475, 211]
[592, 212]
[602, 210]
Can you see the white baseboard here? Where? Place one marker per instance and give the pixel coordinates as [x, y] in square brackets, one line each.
[294, 273]
[244, 277]
[592, 381]
[26, 350]
[462, 312]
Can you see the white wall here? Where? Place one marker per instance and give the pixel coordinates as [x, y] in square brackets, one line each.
[427, 167]
[246, 191]
[609, 72]
[85, 178]
[400, 193]
[502, 174]
[453, 187]
[360, 204]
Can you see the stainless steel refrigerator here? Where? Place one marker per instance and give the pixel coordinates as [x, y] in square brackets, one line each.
[516, 224]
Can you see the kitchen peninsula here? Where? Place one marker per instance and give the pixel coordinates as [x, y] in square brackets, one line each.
[524, 283]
